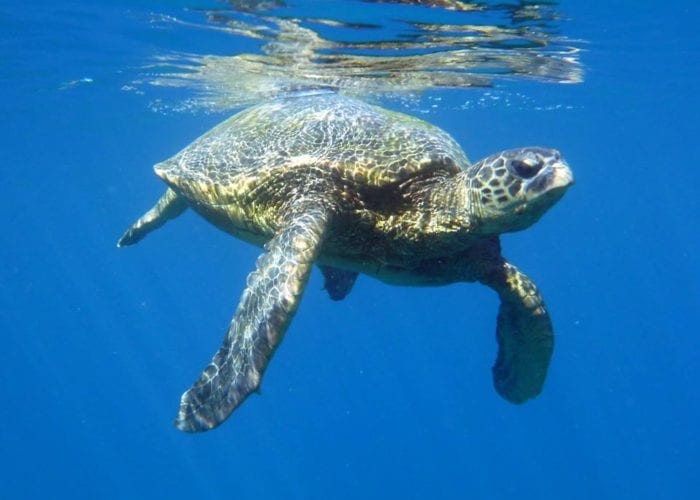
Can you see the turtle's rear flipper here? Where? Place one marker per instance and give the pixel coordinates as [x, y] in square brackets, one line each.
[266, 308]
[524, 334]
[168, 207]
[338, 282]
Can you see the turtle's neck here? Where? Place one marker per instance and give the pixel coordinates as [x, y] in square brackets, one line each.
[452, 203]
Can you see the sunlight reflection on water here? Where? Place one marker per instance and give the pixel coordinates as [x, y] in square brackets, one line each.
[396, 51]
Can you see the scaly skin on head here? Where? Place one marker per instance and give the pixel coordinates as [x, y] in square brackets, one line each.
[511, 190]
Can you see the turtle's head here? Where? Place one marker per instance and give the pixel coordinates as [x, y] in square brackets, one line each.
[511, 190]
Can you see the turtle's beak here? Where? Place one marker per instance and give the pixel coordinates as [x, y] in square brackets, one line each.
[554, 178]
[561, 175]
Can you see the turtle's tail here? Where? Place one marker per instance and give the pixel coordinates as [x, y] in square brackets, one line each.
[168, 207]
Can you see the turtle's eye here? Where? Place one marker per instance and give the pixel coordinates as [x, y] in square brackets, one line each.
[527, 167]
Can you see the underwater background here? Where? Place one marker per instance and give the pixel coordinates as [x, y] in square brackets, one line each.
[388, 393]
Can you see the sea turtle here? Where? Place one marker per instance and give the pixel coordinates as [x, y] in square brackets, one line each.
[355, 188]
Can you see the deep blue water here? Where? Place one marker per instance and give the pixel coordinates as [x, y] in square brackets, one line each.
[386, 394]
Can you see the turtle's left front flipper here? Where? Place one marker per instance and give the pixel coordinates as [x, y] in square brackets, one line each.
[524, 334]
[264, 312]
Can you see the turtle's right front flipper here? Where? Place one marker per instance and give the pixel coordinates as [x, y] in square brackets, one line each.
[168, 207]
[264, 312]
[524, 334]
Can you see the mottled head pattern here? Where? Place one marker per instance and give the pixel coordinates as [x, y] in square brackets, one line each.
[514, 188]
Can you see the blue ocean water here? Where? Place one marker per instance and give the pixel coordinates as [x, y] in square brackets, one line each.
[388, 393]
